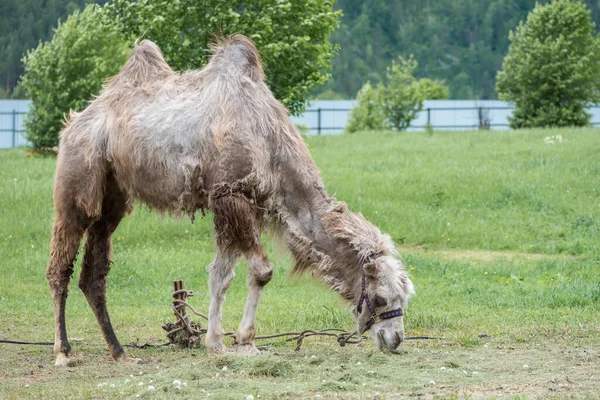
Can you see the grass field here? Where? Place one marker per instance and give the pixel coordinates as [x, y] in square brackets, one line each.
[499, 231]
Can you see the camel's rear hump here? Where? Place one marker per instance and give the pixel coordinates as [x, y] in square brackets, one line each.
[237, 52]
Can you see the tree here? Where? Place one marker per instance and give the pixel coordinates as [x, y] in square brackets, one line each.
[552, 69]
[397, 103]
[401, 99]
[292, 36]
[64, 73]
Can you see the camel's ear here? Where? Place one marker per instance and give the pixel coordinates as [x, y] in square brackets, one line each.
[371, 268]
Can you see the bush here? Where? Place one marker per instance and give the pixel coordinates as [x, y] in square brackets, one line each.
[64, 73]
[292, 36]
[552, 69]
[367, 115]
[396, 104]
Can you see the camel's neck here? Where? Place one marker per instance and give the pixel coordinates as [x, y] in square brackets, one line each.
[304, 208]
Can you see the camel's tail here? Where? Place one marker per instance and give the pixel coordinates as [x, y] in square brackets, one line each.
[145, 63]
[237, 53]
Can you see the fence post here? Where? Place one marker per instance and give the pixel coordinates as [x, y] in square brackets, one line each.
[14, 128]
[319, 120]
[428, 116]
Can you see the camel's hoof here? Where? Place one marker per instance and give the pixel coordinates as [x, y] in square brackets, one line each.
[247, 350]
[216, 349]
[62, 360]
[123, 359]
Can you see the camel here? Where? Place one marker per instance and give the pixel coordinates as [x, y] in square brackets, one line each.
[213, 140]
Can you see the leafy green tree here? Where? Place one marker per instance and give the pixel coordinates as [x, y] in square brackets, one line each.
[401, 99]
[64, 73]
[397, 103]
[292, 36]
[368, 114]
[552, 69]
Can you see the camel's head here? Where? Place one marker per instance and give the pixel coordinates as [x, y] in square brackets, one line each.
[385, 291]
[380, 288]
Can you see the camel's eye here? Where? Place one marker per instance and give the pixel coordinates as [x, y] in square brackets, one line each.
[379, 302]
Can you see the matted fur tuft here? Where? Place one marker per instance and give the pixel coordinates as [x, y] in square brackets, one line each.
[364, 237]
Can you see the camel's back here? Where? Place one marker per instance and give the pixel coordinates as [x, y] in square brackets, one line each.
[169, 137]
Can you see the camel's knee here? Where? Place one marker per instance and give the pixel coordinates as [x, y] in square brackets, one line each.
[260, 270]
[262, 277]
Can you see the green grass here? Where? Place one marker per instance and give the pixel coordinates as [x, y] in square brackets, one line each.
[499, 231]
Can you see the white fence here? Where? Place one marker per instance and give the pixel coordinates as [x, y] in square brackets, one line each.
[331, 117]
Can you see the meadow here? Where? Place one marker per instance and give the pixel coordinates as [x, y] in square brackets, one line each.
[498, 230]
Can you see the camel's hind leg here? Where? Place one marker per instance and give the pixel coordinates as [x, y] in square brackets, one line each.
[96, 262]
[69, 225]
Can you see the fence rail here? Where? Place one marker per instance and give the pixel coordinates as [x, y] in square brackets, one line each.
[14, 126]
[481, 123]
[482, 117]
[334, 120]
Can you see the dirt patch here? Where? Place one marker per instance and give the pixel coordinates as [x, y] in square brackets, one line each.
[536, 370]
[484, 255]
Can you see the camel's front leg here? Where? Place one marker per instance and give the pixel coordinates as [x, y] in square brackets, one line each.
[260, 271]
[221, 274]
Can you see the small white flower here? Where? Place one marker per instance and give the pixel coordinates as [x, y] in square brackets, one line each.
[176, 382]
[249, 397]
[27, 385]
[141, 372]
[465, 372]
[443, 368]
[127, 381]
[141, 384]
[224, 369]
[151, 387]
[525, 366]
[184, 383]
[203, 390]
[112, 385]
[131, 376]
[432, 382]
[377, 395]
[358, 363]
[178, 387]
[323, 381]
[475, 372]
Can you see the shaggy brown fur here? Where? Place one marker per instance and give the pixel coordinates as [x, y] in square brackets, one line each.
[212, 139]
